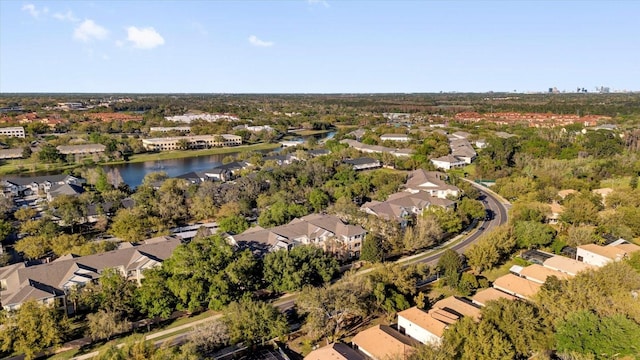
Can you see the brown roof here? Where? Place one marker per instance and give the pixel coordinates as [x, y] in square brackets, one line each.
[458, 306]
[482, 297]
[517, 286]
[335, 351]
[539, 273]
[566, 265]
[611, 252]
[383, 342]
[424, 320]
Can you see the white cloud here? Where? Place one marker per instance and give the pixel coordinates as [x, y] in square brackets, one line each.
[318, 2]
[88, 30]
[68, 16]
[144, 38]
[261, 43]
[33, 10]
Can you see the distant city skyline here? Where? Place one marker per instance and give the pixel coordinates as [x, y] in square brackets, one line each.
[317, 46]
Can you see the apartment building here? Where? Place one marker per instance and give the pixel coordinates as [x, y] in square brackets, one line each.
[14, 131]
[191, 142]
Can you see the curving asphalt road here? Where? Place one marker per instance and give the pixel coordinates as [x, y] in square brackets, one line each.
[498, 211]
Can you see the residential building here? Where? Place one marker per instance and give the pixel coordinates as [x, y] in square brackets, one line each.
[460, 135]
[364, 163]
[462, 150]
[459, 307]
[11, 153]
[566, 265]
[448, 162]
[282, 159]
[187, 118]
[191, 142]
[404, 205]
[599, 256]
[335, 351]
[432, 182]
[326, 231]
[421, 326]
[538, 273]
[50, 283]
[165, 129]
[255, 129]
[376, 149]
[57, 190]
[395, 137]
[358, 134]
[25, 186]
[381, 342]
[517, 286]
[84, 149]
[483, 296]
[14, 131]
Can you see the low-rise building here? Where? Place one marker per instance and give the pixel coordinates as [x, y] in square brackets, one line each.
[13, 131]
[421, 326]
[364, 163]
[50, 283]
[326, 231]
[483, 297]
[395, 137]
[432, 182]
[404, 205]
[25, 186]
[566, 265]
[599, 256]
[84, 149]
[538, 273]
[381, 342]
[165, 129]
[11, 153]
[335, 351]
[448, 162]
[191, 142]
[517, 286]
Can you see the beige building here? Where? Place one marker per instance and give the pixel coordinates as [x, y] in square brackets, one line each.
[84, 149]
[14, 131]
[191, 142]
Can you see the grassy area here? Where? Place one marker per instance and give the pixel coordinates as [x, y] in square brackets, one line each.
[616, 183]
[180, 154]
[27, 166]
[495, 273]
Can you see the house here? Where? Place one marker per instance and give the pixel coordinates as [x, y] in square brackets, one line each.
[326, 231]
[458, 307]
[282, 159]
[432, 182]
[566, 265]
[25, 186]
[395, 137]
[381, 342]
[50, 283]
[603, 192]
[421, 326]
[448, 162]
[318, 152]
[335, 351]
[483, 296]
[376, 149]
[14, 131]
[403, 205]
[564, 193]
[517, 286]
[462, 150]
[556, 213]
[64, 189]
[538, 273]
[460, 135]
[599, 256]
[358, 134]
[364, 163]
[481, 143]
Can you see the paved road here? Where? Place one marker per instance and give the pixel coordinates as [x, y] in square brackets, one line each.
[498, 217]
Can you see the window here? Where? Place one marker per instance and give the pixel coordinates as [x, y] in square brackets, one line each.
[580, 258]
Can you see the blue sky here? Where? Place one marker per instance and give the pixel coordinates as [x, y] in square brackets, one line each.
[315, 46]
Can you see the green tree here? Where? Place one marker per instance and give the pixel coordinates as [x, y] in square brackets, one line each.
[33, 247]
[153, 297]
[609, 337]
[32, 329]
[104, 324]
[25, 214]
[530, 234]
[469, 210]
[254, 322]
[300, 266]
[372, 249]
[450, 265]
[318, 199]
[234, 224]
[49, 154]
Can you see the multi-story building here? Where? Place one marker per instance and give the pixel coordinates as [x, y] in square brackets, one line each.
[14, 131]
[191, 142]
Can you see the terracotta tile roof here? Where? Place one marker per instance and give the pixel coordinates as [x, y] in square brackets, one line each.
[482, 297]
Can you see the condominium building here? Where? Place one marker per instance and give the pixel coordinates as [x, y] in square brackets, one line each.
[14, 131]
[191, 142]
